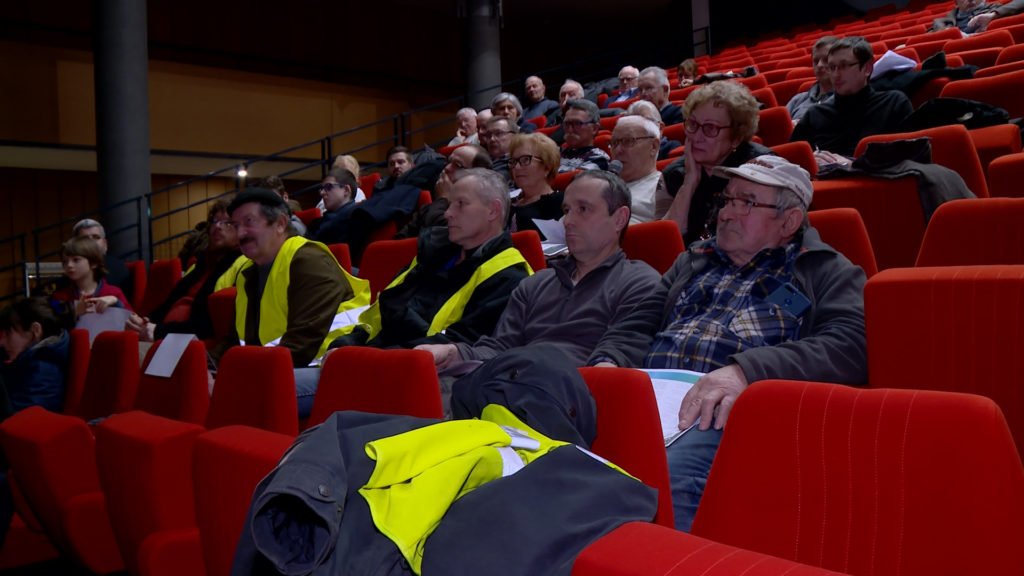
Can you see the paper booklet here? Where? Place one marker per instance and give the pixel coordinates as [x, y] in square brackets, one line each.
[669, 388]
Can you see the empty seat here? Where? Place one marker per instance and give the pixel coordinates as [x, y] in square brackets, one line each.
[843, 229]
[379, 381]
[775, 126]
[658, 243]
[974, 232]
[991, 142]
[163, 275]
[861, 480]
[528, 244]
[1006, 176]
[891, 210]
[343, 255]
[383, 260]
[954, 328]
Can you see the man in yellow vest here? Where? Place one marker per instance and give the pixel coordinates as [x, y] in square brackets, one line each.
[458, 285]
[290, 289]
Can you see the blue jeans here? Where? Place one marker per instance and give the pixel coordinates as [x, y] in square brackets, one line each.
[306, 382]
[689, 461]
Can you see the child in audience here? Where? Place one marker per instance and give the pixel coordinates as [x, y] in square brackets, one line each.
[87, 291]
[36, 347]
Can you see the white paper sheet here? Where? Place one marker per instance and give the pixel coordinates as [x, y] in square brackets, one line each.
[553, 231]
[112, 319]
[167, 356]
[669, 388]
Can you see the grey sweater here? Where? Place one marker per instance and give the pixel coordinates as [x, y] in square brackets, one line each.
[547, 309]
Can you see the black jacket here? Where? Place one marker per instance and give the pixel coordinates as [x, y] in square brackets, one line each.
[407, 310]
[198, 322]
[838, 124]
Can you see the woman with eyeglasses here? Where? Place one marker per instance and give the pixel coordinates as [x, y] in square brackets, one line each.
[721, 119]
[533, 161]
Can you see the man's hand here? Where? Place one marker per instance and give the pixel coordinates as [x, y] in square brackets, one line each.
[712, 397]
[980, 22]
[102, 303]
[444, 354]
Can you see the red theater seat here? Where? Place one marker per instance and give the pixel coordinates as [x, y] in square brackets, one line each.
[658, 243]
[973, 232]
[861, 480]
[843, 229]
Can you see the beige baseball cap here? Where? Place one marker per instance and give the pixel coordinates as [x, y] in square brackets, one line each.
[773, 171]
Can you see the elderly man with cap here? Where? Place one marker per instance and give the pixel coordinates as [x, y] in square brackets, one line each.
[764, 298]
[289, 288]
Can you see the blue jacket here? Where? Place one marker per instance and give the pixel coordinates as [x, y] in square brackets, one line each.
[36, 376]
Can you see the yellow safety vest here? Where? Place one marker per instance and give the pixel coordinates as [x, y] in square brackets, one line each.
[451, 311]
[274, 302]
[230, 276]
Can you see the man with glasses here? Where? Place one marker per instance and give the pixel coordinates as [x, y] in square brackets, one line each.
[765, 298]
[338, 193]
[289, 289]
[654, 87]
[822, 88]
[581, 124]
[627, 85]
[834, 127]
[635, 144]
[463, 157]
[496, 138]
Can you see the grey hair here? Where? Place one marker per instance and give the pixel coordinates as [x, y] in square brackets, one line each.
[87, 223]
[503, 96]
[659, 74]
[466, 110]
[571, 82]
[786, 199]
[644, 109]
[585, 105]
[649, 126]
[490, 186]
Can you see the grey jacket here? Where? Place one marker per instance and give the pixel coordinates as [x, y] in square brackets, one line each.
[579, 320]
[831, 346]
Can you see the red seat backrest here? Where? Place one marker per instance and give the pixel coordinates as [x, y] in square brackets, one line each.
[342, 255]
[528, 244]
[113, 376]
[855, 480]
[1005, 175]
[974, 232]
[255, 387]
[403, 382]
[774, 126]
[163, 275]
[952, 147]
[629, 429]
[799, 153]
[383, 260]
[78, 367]
[658, 243]
[185, 396]
[844, 230]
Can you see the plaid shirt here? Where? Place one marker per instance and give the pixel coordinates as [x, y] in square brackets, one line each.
[723, 312]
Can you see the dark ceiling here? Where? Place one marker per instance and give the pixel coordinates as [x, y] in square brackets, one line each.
[414, 46]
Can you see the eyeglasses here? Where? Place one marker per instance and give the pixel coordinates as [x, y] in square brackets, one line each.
[710, 130]
[741, 206]
[226, 224]
[576, 124]
[523, 161]
[627, 142]
[841, 66]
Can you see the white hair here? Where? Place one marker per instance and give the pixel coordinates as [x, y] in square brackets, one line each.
[659, 74]
[648, 126]
[465, 112]
[644, 109]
